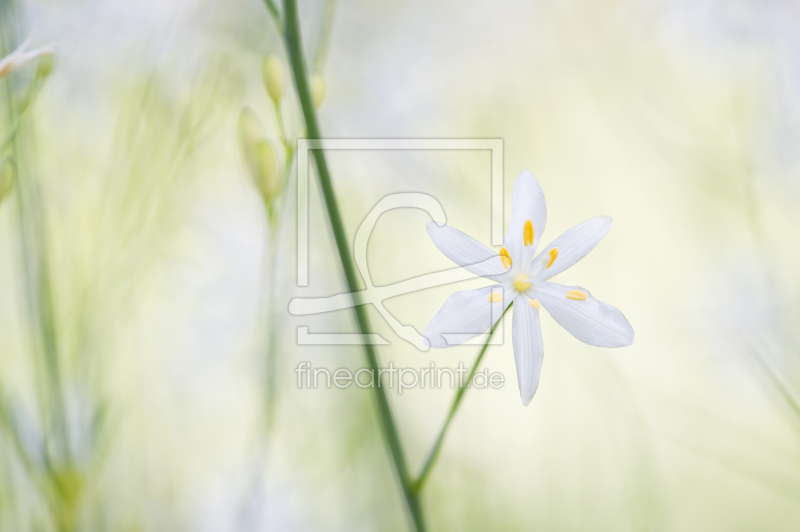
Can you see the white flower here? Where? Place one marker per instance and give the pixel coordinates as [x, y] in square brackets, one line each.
[522, 279]
[20, 56]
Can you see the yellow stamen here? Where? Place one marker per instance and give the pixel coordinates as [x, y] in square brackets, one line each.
[527, 233]
[495, 297]
[505, 257]
[521, 282]
[577, 295]
[534, 303]
[548, 261]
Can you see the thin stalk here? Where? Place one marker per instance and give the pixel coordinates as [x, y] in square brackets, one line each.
[323, 43]
[273, 329]
[437, 446]
[275, 210]
[276, 15]
[281, 129]
[291, 27]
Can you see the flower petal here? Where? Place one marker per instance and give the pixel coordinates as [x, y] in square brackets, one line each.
[572, 246]
[589, 320]
[467, 314]
[528, 347]
[527, 203]
[466, 251]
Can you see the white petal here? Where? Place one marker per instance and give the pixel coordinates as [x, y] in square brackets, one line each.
[465, 315]
[527, 203]
[528, 347]
[572, 246]
[589, 320]
[465, 251]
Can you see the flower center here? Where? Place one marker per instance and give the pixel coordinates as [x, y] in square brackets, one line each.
[521, 282]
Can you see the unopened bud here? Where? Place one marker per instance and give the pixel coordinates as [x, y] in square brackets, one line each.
[6, 178]
[258, 154]
[250, 129]
[272, 72]
[318, 89]
[266, 170]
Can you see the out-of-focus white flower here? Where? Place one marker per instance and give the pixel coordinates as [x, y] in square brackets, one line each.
[522, 279]
[21, 56]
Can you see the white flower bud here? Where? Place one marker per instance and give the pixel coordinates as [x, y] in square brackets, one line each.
[259, 155]
[266, 175]
[272, 72]
[250, 129]
[318, 89]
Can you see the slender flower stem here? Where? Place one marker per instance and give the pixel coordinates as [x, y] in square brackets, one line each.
[324, 35]
[437, 446]
[275, 209]
[291, 28]
[281, 129]
[271, 362]
[276, 15]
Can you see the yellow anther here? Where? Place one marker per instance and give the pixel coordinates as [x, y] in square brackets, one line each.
[521, 282]
[548, 261]
[534, 303]
[577, 295]
[495, 297]
[505, 257]
[527, 233]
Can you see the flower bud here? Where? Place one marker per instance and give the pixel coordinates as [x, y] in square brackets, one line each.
[6, 179]
[318, 89]
[259, 155]
[250, 129]
[266, 175]
[272, 72]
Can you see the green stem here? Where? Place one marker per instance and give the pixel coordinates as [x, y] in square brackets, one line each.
[437, 446]
[291, 27]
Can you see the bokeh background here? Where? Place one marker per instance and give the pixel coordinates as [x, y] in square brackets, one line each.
[134, 250]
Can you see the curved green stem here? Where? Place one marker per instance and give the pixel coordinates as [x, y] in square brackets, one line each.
[291, 28]
[437, 446]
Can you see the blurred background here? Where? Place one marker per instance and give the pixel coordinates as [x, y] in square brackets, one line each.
[147, 357]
